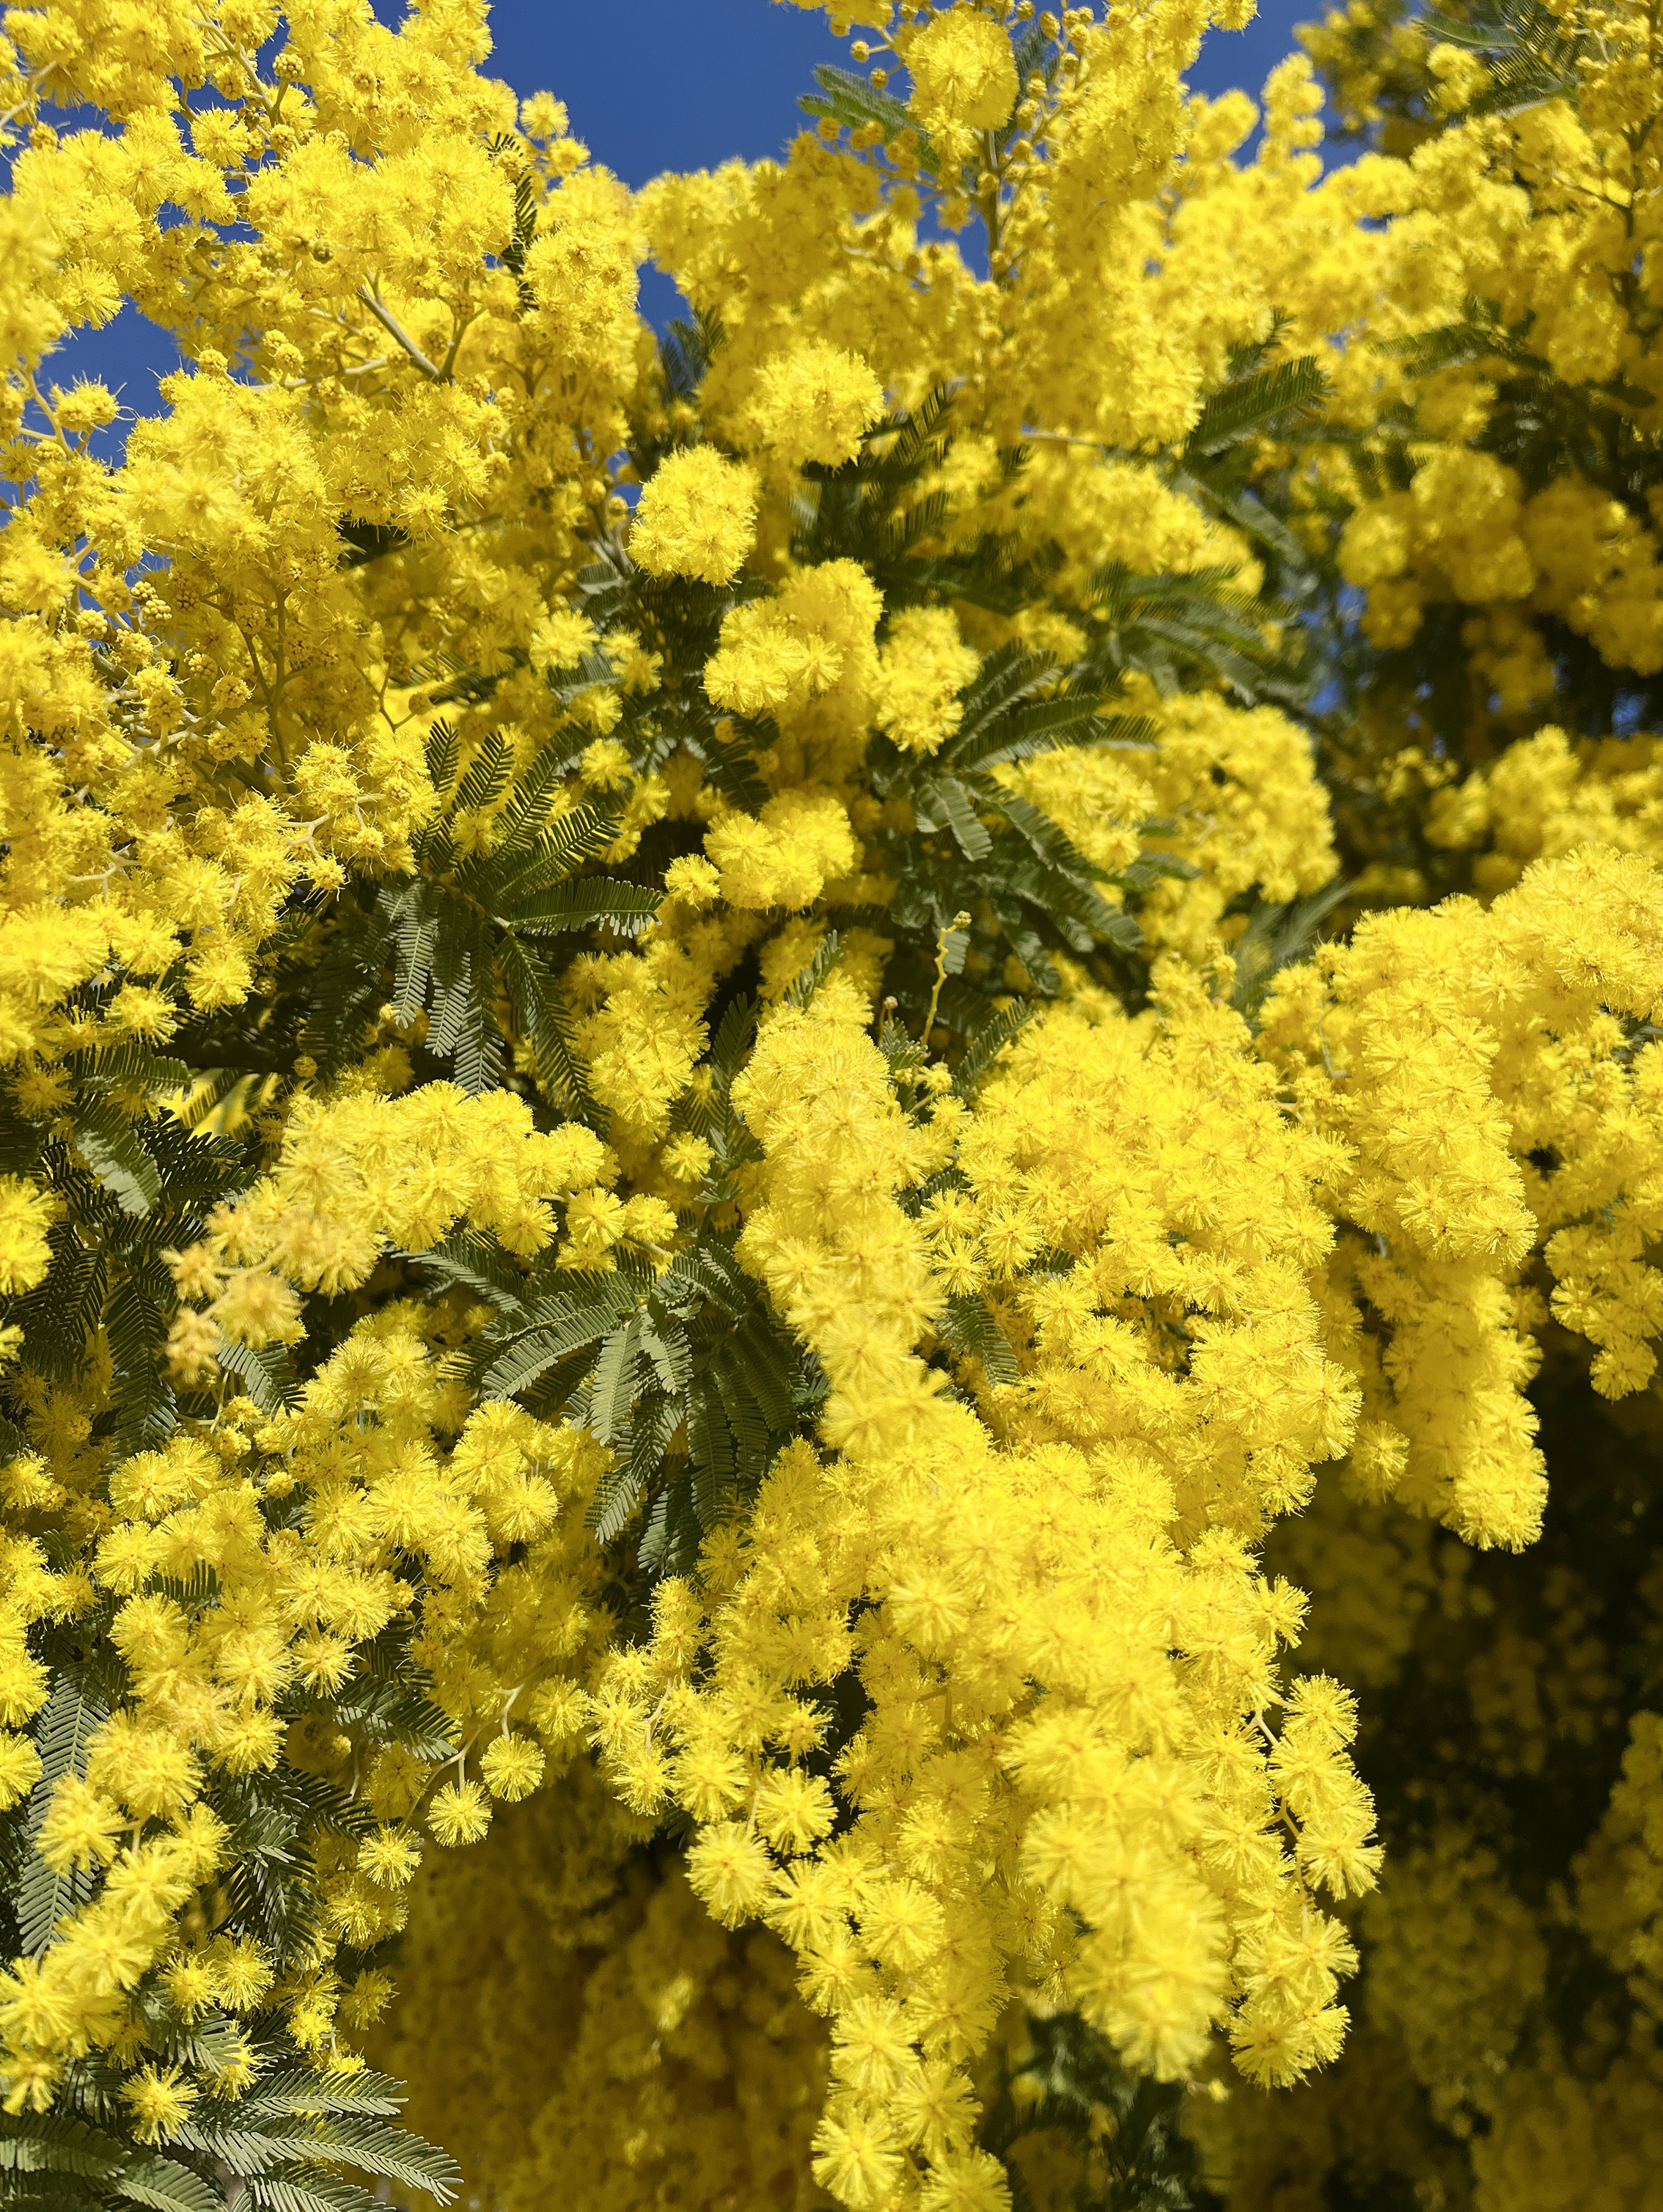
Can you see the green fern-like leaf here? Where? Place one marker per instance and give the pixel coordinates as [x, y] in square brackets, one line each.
[984, 1049]
[478, 1264]
[1275, 937]
[589, 903]
[1118, 2130]
[853, 103]
[586, 1308]
[162, 2184]
[267, 1374]
[971, 1330]
[1257, 404]
[63, 1731]
[301, 2189]
[803, 985]
[111, 1147]
[57, 2142]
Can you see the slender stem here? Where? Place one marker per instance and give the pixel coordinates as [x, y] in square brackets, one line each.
[395, 329]
[958, 921]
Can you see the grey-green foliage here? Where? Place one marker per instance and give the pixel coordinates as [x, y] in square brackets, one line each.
[291, 2142]
[1127, 2151]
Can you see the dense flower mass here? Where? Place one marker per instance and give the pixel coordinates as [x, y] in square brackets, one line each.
[831, 1151]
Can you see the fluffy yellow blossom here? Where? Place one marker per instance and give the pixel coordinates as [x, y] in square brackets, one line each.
[24, 1253]
[786, 855]
[696, 518]
[962, 71]
[923, 666]
[872, 1228]
[813, 405]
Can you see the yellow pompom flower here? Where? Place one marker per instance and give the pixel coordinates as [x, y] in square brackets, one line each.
[963, 70]
[729, 1868]
[25, 1216]
[696, 517]
[459, 1812]
[20, 1769]
[512, 1767]
[784, 857]
[814, 403]
[159, 2101]
[945, 1455]
[923, 666]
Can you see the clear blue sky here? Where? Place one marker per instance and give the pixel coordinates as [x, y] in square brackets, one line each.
[721, 77]
[704, 81]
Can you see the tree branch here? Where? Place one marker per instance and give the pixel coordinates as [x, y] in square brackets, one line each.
[390, 324]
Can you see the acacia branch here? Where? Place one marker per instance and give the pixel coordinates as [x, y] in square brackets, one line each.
[391, 324]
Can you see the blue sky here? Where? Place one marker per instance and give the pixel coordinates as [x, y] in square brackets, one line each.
[721, 77]
[703, 82]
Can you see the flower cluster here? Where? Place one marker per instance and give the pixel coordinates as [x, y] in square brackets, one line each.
[831, 1254]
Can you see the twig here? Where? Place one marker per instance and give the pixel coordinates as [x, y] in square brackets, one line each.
[390, 324]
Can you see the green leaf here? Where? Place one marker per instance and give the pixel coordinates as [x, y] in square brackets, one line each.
[266, 1374]
[522, 819]
[302, 2089]
[1151, 868]
[807, 980]
[686, 351]
[56, 2143]
[542, 1020]
[580, 1315]
[1274, 938]
[1531, 58]
[132, 1063]
[560, 850]
[941, 802]
[765, 1360]
[745, 1419]
[1248, 513]
[479, 1264]
[272, 1896]
[666, 1349]
[162, 2185]
[441, 755]
[1009, 676]
[971, 1330]
[589, 902]
[63, 1731]
[397, 1712]
[210, 1091]
[612, 1388]
[1040, 727]
[488, 777]
[616, 1495]
[144, 1402]
[60, 1314]
[1069, 2086]
[733, 1039]
[989, 1042]
[1039, 833]
[853, 103]
[671, 1540]
[729, 767]
[461, 1028]
[1261, 402]
[51, 2192]
[407, 1715]
[374, 2147]
[109, 1144]
[710, 1449]
[706, 1270]
[298, 2189]
[415, 937]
